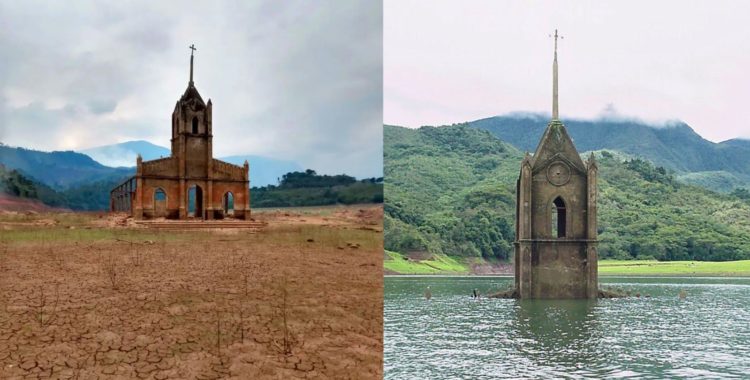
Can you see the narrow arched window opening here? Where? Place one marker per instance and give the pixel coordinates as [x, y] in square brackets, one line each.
[558, 218]
[160, 202]
[228, 203]
[160, 195]
[195, 201]
[195, 125]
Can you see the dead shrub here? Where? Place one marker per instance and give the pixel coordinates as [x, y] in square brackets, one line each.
[111, 270]
[287, 342]
[41, 307]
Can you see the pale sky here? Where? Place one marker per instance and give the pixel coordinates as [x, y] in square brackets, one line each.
[454, 61]
[293, 80]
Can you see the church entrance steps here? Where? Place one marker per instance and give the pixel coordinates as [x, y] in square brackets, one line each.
[201, 224]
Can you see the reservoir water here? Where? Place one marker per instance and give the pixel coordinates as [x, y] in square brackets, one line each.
[452, 336]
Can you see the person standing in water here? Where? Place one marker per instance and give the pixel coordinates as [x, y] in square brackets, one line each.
[428, 293]
[475, 293]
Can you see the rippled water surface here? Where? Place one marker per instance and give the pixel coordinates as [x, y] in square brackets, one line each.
[452, 336]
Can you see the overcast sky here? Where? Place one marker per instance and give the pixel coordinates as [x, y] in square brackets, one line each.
[294, 80]
[455, 61]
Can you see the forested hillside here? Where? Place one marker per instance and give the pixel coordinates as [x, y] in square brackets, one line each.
[311, 189]
[75, 181]
[86, 197]
[14, 183]
[296, 189]
[718, 166]
[451, 190]
[59, 170]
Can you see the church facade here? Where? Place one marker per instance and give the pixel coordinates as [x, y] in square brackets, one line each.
[556, 229]
[190, 183]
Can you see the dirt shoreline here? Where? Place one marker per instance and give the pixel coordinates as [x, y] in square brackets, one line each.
[88, 297]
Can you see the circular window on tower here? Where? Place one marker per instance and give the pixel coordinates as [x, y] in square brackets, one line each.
[558, 173]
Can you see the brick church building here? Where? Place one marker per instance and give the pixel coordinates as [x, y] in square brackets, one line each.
[190, 183]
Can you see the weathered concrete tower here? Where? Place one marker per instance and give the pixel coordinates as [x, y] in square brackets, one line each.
[555, 247]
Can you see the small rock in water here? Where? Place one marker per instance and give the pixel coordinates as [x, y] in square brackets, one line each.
[683, 294]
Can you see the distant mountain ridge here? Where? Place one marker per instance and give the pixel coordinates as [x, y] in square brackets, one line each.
[452, 191]
[59, 170]
[676, 146]
[124, 154]
[19, 193]
[76, 181]
[263, 170]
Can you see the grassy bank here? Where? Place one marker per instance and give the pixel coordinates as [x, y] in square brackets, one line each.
[674, 268]
[439, 264]
[395, 263]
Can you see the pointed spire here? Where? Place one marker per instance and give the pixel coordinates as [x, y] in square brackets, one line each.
[192, 49]
[527, 160]
[591, 163]
[555, 108]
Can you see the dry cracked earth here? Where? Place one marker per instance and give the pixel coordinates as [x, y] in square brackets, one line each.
[82, 297]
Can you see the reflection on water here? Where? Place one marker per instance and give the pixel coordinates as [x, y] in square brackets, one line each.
[455, 336]
[554, 333]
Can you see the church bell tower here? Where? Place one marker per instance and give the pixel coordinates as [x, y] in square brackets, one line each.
[192, 136]
[556, 236]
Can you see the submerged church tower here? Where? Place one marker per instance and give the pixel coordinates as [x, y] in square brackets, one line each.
[556, 237]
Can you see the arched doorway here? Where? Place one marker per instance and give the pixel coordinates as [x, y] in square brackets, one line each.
[195, 202]
[228, 202]
[160, 202]
[558, 218]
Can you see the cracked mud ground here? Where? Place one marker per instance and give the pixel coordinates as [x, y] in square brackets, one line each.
[82, 297]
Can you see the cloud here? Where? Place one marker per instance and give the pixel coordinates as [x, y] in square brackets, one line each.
[452, 61]
[610, 113]
[102, 106]
[294, 80]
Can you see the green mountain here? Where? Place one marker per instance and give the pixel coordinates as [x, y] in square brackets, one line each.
[90, 196]
[718, 166]
[295, 189]
[451, 190]
[60, 170]
[14, 183]
[311, 189]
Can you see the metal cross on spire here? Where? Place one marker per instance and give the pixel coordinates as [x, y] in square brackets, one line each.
[555, 108]
[192, 49]
[556, 36]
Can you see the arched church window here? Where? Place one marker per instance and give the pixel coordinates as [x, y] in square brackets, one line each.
[195, 125]
[558, 218]
[228, 203]
[160, 195]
